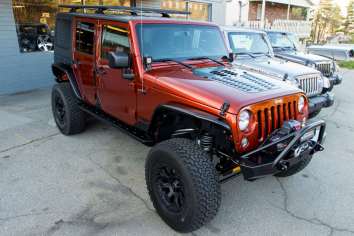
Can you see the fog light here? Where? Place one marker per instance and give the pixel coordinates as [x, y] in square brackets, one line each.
[244, 142]
[303, 122]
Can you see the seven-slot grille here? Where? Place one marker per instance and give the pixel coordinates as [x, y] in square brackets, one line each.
[272, 118]
[310, 84]
[324, 67]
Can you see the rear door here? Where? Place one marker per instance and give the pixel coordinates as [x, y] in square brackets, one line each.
[116, 94]
[84, 44]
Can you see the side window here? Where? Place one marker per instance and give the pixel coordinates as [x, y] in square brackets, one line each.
[259, 11]
[84, 37]
[114, 39]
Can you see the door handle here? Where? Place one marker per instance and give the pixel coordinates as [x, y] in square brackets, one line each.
[99, 71]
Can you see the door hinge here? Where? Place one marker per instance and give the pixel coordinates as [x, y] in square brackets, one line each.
[132, 113]
[132, 87]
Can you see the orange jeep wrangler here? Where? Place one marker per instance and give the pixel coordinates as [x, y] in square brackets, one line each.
[169, 84]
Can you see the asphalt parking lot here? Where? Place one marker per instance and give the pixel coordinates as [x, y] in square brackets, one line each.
[94, 183]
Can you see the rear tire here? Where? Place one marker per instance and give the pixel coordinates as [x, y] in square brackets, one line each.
[295, 168]
[68, 117]
[182, 183]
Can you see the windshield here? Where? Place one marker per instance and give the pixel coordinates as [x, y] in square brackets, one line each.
[248, 42]
[282, 40]
[180, 42]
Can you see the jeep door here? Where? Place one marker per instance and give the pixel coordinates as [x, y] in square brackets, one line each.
[115, 93]
[84, 44]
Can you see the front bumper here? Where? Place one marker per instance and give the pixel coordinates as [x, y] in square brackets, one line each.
[335, 80]
[261, 163]
[318, 102]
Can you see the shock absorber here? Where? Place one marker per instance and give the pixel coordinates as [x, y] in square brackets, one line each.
[206, 142]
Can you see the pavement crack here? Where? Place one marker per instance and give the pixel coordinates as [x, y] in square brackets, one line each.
[33, 141]
[136, 195]
[24, 215]
[311, 221]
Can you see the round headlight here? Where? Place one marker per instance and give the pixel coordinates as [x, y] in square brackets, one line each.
[313, 66]
[244, 120]
[301, 103]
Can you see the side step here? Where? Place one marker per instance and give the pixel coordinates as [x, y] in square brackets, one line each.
[131, 131]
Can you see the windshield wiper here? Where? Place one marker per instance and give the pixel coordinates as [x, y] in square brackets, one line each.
[291, 48]
[170, 59]
[246, 54]
[201, 58]
[263, 53]
[279, 47]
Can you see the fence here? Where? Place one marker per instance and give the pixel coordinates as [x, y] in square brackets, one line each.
[301, 29]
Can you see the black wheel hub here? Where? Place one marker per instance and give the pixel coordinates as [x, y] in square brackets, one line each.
[169, 188]
[59, 109]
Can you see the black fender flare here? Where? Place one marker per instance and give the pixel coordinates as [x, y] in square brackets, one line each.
[58, 67]
[205, 117]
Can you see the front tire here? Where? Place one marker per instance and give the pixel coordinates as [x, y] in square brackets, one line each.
[182, 183]
[68, 117]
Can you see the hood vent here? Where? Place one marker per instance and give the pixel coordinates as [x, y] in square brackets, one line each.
[238, 79]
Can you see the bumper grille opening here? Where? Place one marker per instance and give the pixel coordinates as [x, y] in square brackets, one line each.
[272, 118]
[266, 118]
[259, 115]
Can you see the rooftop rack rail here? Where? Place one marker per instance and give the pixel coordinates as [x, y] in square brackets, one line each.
[132, 10]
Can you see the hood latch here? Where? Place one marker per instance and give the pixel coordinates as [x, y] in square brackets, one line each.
[224, 107]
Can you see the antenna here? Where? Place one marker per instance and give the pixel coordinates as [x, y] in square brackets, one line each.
[142, 49]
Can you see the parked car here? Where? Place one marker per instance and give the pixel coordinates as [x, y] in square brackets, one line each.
[344, 45]
[255, 53]
[32, 36]
[285, 47]
[331, 51]
[168, 83]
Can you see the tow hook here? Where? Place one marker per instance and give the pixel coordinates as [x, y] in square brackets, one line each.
[282, 166]
[300, 149]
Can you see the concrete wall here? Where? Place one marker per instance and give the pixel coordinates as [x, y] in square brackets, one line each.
[20, 71]
[233, 12]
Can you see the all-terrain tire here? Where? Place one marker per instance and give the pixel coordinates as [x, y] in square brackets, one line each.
[68, 117]
[295, 168]
[314, 114]
[197, 176]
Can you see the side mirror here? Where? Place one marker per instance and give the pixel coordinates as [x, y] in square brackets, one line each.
[232, 56]
[119, 60]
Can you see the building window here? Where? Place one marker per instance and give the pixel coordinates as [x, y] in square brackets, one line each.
[259, 12]
[200, 11]
[35, 20]
[114, 39]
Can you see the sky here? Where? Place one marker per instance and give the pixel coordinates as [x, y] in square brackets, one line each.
[342, 4]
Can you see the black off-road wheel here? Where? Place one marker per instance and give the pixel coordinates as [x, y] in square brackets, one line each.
[68, 117]
[183, 184]
[295, 168]
[314, 114]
